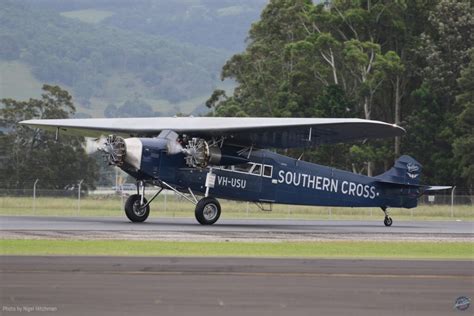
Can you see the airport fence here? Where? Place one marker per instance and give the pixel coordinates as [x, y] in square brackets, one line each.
[73, 200]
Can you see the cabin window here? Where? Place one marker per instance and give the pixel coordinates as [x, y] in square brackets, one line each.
[243, 167]
[267, 171]
[257, 170]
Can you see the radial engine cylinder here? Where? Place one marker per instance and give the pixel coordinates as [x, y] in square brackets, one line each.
[118, 151]
[200, 154]
[114, 150]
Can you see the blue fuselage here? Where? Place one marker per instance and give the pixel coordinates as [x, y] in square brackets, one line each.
[274, 178]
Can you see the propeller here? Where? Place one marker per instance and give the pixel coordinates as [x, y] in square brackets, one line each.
[114, 149]
[93, 145]
[197, 153]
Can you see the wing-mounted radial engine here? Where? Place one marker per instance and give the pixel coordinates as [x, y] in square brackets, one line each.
[200, 153]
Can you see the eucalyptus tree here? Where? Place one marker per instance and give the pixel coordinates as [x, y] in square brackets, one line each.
[464, 143]
[36, 154]
[376, 59]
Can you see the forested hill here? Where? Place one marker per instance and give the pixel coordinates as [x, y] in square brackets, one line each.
[111, 54]
[221, 24]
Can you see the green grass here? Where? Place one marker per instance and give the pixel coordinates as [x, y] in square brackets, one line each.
[88, 16]
[110, 205]
[344, 249]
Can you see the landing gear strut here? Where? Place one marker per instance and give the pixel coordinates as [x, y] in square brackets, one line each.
[137, 208]
[208, 209]
[388, 220]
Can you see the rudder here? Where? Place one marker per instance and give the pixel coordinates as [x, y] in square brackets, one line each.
[405, 171]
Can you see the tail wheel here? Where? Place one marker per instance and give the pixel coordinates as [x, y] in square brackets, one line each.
[208, 211]
[134, 211]
[388, 221]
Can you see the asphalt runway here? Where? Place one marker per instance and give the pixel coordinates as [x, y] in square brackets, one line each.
[251, 229]
[231, 286]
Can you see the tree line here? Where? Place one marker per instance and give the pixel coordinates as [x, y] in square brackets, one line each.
[405, 62]
[31, 153]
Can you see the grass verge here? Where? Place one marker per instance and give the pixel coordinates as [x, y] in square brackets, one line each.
[105, 206]
[339, 249]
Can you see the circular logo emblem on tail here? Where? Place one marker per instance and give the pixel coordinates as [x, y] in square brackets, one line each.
[413, 170]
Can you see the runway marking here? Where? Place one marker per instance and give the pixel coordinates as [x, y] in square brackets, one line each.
[262, 274]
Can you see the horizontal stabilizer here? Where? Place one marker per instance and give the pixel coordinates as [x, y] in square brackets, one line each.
[437, 188]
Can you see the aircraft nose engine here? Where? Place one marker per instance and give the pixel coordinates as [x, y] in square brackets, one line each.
[114, 149]
[118, 150]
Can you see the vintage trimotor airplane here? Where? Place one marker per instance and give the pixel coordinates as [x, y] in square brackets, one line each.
[226, 158]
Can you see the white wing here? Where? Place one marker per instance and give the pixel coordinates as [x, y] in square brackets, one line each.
[260, 132]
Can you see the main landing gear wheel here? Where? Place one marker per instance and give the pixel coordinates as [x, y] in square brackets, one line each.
[388, 221]
[134, 211]
[207, 211]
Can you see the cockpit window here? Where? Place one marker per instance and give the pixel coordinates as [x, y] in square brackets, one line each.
[256, 170]
[243, 167]
[252, 168]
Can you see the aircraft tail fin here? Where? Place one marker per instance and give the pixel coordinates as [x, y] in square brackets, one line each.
[406, 171]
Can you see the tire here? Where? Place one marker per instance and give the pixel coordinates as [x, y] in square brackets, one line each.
[132, 209]
[208, 211]
[388, 221]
